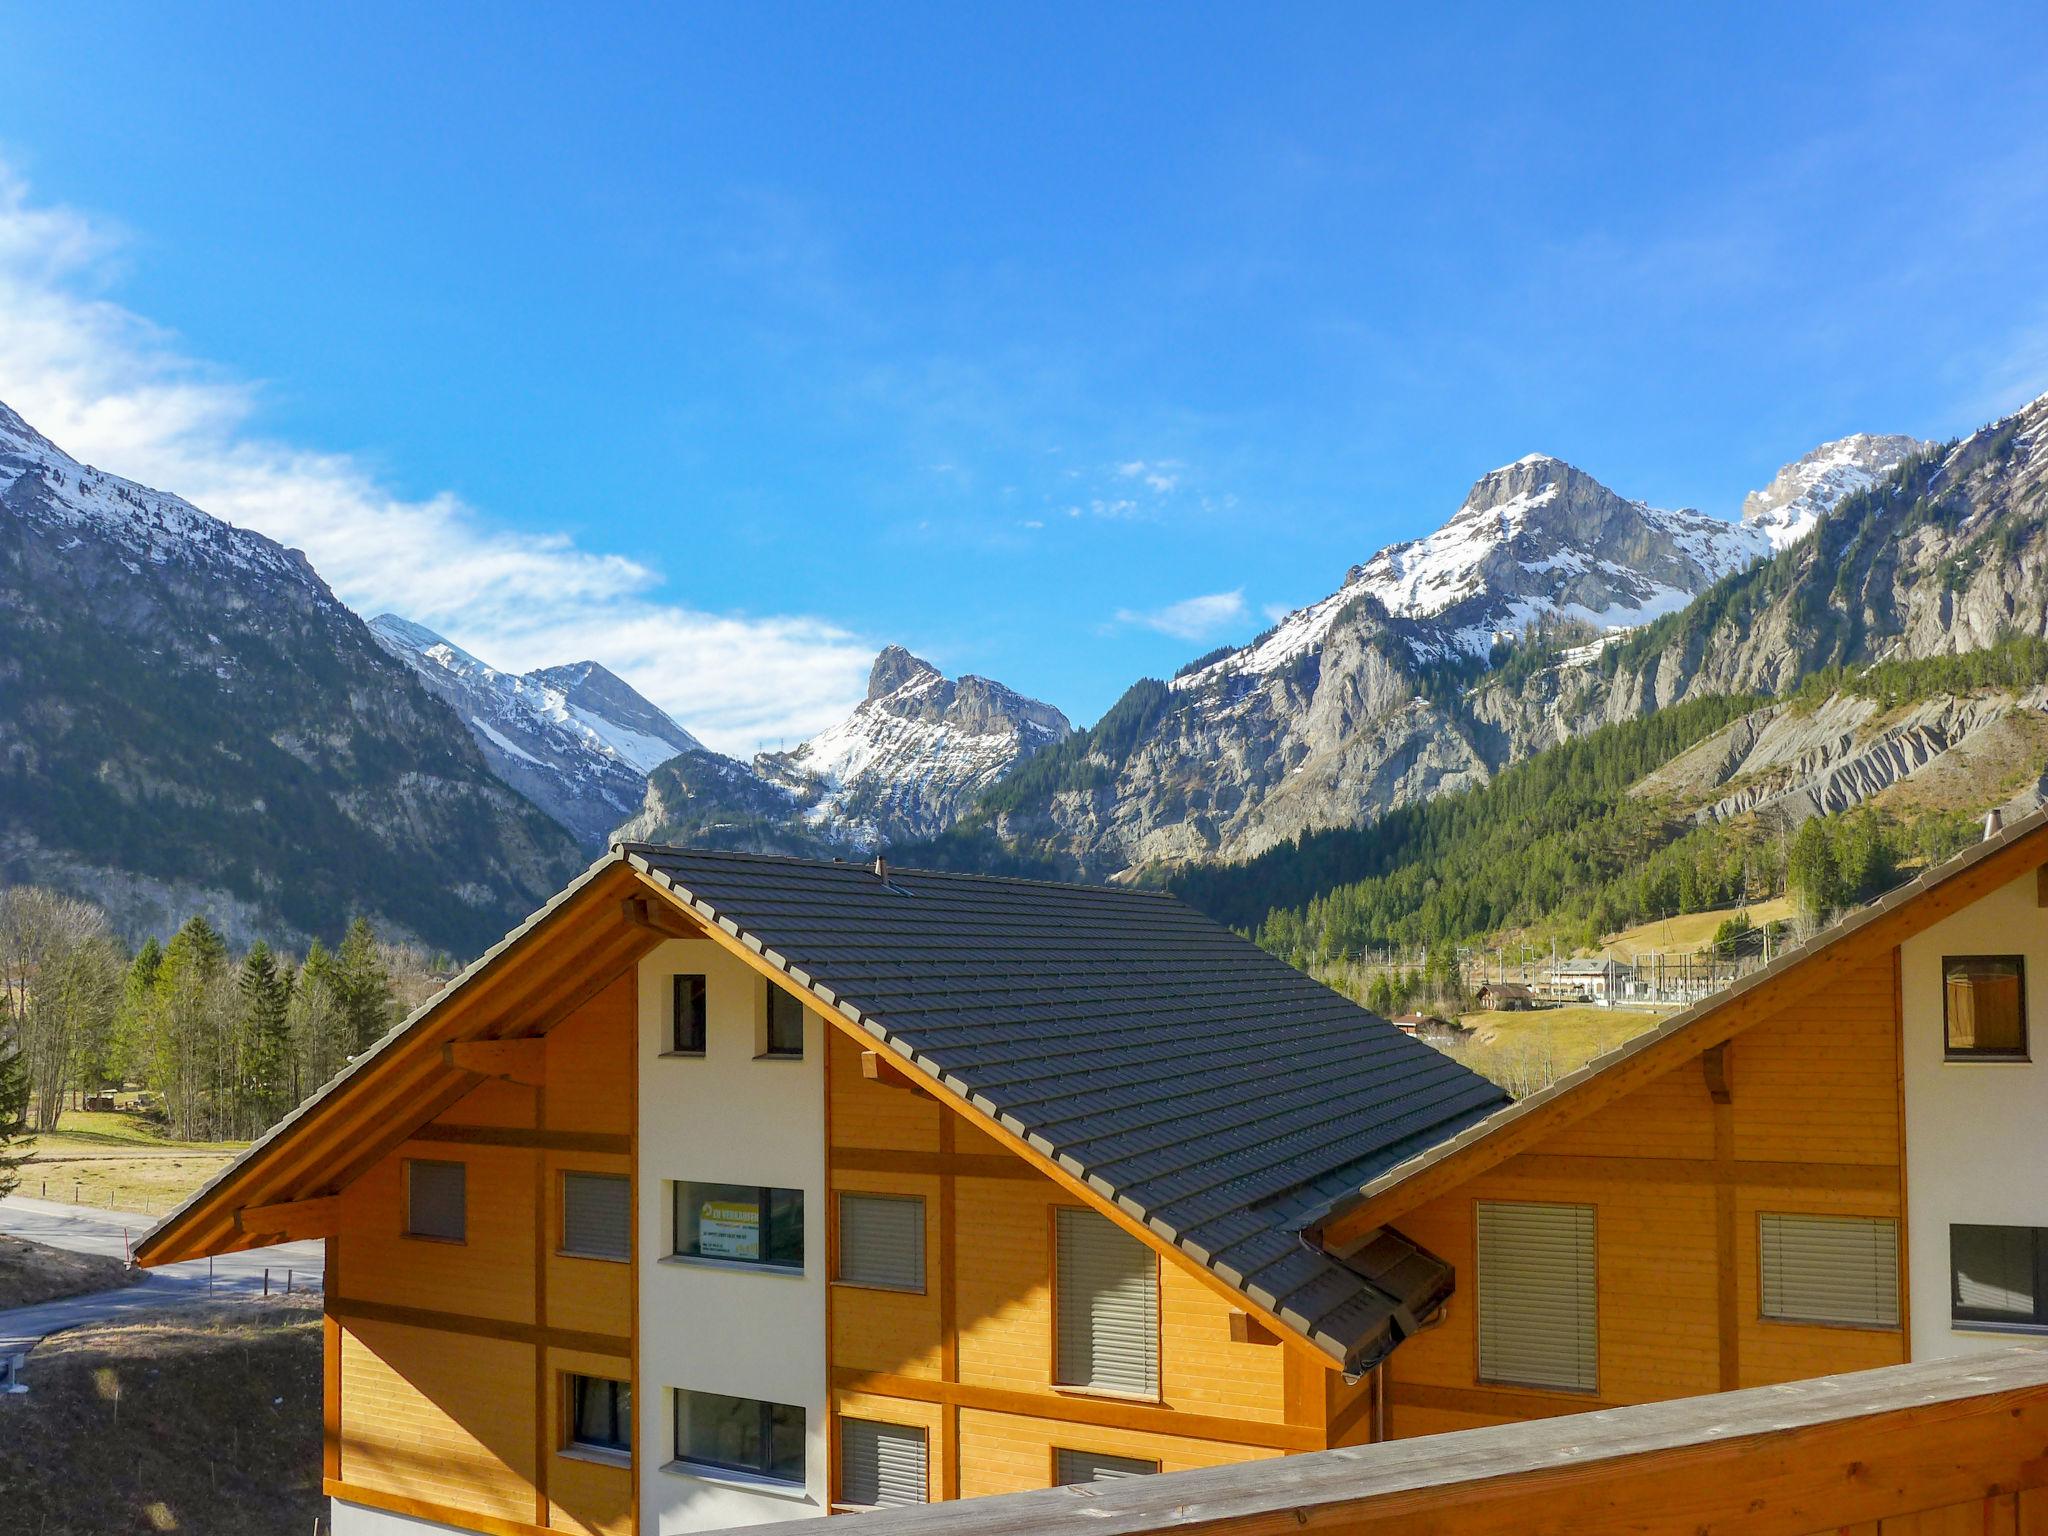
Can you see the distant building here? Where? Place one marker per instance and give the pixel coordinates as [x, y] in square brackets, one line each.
[1593, 979]
[1507, 996]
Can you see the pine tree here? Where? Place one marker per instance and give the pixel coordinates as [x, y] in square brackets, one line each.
[263, 1044]
[365, 986]
[190, 1059]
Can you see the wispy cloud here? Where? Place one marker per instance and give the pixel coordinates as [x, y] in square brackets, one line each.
[1160, 475]
[1192, 618]
[120, 392]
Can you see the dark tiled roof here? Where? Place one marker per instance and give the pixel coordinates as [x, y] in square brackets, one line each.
[1211, 1090]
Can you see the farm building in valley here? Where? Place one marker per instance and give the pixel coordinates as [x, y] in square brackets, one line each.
[733, 1189]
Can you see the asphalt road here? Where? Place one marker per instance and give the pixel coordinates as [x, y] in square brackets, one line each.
[84, 1229]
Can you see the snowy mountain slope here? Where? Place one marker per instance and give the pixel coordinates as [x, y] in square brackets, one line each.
[575, 740]
[193, 723]
[904, 764]
[1806, 489]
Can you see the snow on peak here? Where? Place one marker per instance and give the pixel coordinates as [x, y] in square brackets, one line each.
[1808, 488]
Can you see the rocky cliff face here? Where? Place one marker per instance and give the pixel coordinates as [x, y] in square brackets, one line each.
[575, 740]
[910, 758]
[193, 723]
[1424, 672]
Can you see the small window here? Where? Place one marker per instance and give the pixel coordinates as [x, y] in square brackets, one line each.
[740, 1223]
[1984, 1006]
[692, 1017]
[1829, 1269]
[436, 1200]
[785, 1032]
[1106, 1306]
[740, 1434]
[881, 1241]
[600, 1415]
[1094, 1467]
[597, 1215]
[1537, 1296]
[881, 1464]
[1995, 1276]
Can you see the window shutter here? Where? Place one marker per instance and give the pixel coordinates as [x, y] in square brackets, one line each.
[435, 1203]
[597, 1215]
[1108, 1306]
[1092, 1467]
[1830, 1269]
[1538, 1296]
[881, 1464]
[881, 1240]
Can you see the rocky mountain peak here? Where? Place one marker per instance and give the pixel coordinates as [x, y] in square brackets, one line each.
[1786, 510]
[896, 668]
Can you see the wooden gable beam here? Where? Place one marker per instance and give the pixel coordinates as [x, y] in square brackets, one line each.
[524, 1060]
[290, 1221]
[877, 1067]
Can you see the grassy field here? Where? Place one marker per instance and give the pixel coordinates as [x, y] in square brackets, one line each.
[1689, 931]
[32, 1272]
[1527, 1051]
[120, 1161]
[205, 1420]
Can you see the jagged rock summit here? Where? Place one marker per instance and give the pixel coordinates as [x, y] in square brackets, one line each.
[1803, 491]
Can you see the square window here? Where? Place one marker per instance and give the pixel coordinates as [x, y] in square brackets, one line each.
[740, 1223]
[881, 1241]
[692, 1016]
[1984, 1006]
[740, 1434]
[785, 1023]
[597, 1215]
[600, 1415]
[436, 1200]
[1995, 1275]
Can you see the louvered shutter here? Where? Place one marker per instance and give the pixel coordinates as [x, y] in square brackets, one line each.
[881, 1241]
[881, 1464]
[436, 1204]
[1092, 1467]
[1537, 1296]
[1108, 1286]
[597, 1215]
[1830, 1269]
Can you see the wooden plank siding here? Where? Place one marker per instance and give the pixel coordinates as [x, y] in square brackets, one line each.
[970, 1358]
[1677, 1183]
[450, 1359]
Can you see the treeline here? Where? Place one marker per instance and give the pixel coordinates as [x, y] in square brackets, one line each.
[226, 1045]
[2012, 662]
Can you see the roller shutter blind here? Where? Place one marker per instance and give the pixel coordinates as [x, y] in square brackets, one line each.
[597, 1215]
[1538, 1324]
[881, 1241]
[881, 1464]
[436, 1200]
[1092, 1467]
[1108, 1306]
[1829, 1269]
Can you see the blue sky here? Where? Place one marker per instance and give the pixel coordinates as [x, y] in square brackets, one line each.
[727, 344]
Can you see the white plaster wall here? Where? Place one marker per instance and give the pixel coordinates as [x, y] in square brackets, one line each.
[1976, 1131]
[346, 1519]
[726, 1118]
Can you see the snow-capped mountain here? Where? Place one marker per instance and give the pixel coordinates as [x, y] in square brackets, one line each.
[193, 723]
[1806, 489]
[575, 740]
[912, 752]
[1378, 695]
[904, 765]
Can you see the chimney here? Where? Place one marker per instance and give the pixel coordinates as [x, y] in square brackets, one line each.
[1994, 823]
[882, 867]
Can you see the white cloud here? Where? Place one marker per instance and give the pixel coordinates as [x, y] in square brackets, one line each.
[1159, 475]
[117, 391]
[1192, 618]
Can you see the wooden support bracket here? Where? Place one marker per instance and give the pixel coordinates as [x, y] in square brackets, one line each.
[1246, 1329]
[644, 913]
[292, 1220]
[876, 1067]
[519, 1061]
[1720, 1081]
[2041, 886]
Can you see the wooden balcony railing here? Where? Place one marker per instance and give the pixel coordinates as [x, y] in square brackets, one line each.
[1946, 1446]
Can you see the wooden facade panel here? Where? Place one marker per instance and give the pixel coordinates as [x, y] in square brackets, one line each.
[895, 1332]
[1818, 1081]
[1004, 1306]
[589, 1497]
[1666, 1117]
[490, 1274]
[590, 1063]
[872, 1114]
[1202, 1369]
[1010, 1453]
[1994, 1516]
[441, 1417]
[584, 1295]
[491, 1102]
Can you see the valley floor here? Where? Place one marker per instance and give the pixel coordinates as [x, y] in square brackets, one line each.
[118, 1161]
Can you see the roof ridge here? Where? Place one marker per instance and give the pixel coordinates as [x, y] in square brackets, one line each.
[855, 866]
